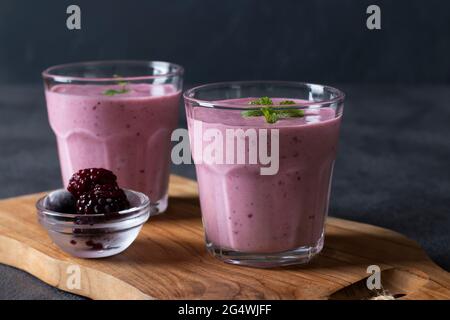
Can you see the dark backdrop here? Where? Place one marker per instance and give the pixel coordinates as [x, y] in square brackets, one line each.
[318, 41]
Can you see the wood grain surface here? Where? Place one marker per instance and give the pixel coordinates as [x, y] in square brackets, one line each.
[168, 260]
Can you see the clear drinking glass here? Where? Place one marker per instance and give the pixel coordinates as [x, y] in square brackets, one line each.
[117, 115]
[276, 218]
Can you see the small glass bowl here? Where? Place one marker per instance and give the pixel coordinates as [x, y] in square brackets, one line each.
[96, 235]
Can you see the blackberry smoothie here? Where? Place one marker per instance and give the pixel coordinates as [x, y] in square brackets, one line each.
[267, 220]
[128, 132]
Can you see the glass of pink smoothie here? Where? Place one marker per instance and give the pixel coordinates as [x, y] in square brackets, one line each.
[276, 218]
[117, 115]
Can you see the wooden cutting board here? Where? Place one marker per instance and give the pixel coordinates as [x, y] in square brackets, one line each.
[168, 260]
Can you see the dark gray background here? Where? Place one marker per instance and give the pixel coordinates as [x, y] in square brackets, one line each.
[318, 41]
[392, 168]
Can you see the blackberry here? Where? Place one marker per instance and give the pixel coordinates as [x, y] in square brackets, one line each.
[60, 201]
[105, 199]
[86, 179]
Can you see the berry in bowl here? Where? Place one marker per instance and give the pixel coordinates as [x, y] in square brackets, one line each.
[93, 218]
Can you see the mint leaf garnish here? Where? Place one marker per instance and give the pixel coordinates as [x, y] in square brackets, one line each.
[264, 101]
[252, 113]
[290, 113]
[120, 82]
[112, 92]
[284, 102]
[270, 114]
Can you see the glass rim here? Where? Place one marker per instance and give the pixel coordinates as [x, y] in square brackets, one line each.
[123, 213]
[340, 96]
[47, 73]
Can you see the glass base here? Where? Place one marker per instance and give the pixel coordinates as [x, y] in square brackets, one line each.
[295, 256]
[160, 206]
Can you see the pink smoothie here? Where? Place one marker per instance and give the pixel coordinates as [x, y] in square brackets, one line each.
[127, 133]
[248, 212]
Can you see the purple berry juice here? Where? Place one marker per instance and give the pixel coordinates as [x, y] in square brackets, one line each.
[254, 217]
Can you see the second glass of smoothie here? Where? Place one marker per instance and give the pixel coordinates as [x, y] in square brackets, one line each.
[117, 115]
[255, 219]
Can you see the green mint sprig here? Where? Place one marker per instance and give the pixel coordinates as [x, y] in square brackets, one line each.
[285, 102]
[112, 92]
[263, 101]
[120, 82]
[270, 114]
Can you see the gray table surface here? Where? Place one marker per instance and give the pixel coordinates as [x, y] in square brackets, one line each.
[392, 168]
